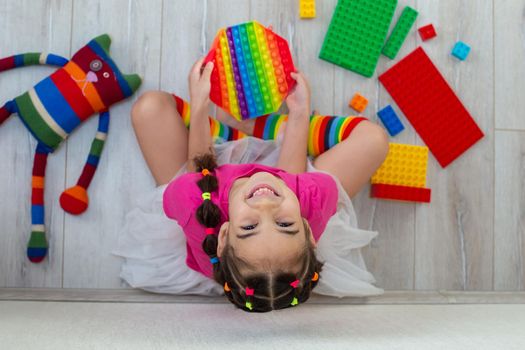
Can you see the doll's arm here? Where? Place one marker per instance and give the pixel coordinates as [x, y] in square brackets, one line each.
[30, 59]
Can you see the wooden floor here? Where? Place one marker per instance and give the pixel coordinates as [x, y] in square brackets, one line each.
[471, 237]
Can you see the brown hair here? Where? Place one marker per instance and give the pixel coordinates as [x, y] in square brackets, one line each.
[271, 291]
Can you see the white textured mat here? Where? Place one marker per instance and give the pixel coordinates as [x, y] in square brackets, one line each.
[78, 325]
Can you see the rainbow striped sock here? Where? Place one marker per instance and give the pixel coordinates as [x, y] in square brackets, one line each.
[325, 131]
[75, 199]
[219, 131]
[37, 245]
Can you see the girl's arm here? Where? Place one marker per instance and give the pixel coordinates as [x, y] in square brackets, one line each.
[200, 140]
[294, 147]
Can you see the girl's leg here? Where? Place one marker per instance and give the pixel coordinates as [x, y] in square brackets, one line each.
[161, 134]
[354, 160]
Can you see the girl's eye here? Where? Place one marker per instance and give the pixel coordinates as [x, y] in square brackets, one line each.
[285, 224]
[249, 227]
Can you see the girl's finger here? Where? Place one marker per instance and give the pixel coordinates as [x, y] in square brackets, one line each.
[206, 73]
[196, 69]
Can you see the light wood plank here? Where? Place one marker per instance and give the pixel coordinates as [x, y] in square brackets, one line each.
[509, 225]
[29, 26]
[509, 52]
[307, 39]
[183, 42]
[454, 235]
[390, 256]
[122, 173]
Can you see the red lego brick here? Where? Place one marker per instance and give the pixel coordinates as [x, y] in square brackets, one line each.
[401, 193]
[431, 106]
[427, 32]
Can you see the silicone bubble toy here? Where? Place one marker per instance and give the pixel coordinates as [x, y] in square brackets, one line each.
[251, 74]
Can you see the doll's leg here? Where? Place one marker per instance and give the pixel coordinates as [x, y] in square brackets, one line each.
[161, 133]
[354, 160]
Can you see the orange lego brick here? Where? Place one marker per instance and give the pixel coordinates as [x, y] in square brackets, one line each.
[359, 103]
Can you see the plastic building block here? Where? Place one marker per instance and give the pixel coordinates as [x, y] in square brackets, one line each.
[307, 8]
[402, 176]
[405, 165]
[402, 193]
[357, 33]
[427, 32]
[359, 103]
[390, 120]
[431, 106]
[251, 74]
[461, 51]
[400, 32]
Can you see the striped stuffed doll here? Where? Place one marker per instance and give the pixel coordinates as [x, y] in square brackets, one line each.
[89, 83]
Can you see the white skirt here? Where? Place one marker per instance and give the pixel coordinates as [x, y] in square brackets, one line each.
[154, 247]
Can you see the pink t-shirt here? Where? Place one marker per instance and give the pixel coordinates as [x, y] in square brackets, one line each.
[317, 193]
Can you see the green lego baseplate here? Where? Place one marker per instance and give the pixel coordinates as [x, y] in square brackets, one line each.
[357, 33]
[400, 32]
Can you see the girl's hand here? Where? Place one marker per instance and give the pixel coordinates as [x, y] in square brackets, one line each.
[200, 86]
[298, 101]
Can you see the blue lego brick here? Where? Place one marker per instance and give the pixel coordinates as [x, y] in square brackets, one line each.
[390, 120]
[461, 50]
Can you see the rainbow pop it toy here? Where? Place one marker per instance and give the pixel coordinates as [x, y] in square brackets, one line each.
[251, 76]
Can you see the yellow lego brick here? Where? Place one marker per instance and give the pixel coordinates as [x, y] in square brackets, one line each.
[307, 8]
[405, 165]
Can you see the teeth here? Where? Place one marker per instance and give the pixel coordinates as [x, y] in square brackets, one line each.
[262, 190]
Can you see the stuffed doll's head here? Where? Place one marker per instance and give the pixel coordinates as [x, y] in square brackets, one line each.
[95, 66]
[265, 254]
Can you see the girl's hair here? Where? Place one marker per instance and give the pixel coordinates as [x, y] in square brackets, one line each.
[259, 291]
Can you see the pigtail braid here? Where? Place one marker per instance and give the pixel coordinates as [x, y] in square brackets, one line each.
[208, 214]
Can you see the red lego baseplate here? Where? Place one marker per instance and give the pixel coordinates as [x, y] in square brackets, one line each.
[401, 193]
[431, 106]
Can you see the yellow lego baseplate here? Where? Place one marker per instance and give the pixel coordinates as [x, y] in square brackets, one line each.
[405, 165]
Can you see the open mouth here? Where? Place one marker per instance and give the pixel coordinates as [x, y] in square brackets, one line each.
[261, 190]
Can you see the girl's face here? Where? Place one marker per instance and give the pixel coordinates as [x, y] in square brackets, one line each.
[265, 228]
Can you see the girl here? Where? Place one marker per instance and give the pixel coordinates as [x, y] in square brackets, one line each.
[257, 220]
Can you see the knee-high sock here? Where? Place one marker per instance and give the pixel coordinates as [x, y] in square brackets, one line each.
[325, 131]
[75, 199]
[37, 245]
[220, 132]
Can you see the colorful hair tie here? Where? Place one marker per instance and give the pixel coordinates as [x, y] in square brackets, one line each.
[205, 172]
[226, 287]
[316, 277]
[249, 305]
[249, 291]
[214, 260]
[210, 230]
[295, 283]
[206, 196]
[294, 301]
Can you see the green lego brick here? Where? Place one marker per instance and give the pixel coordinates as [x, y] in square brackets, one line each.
[357, 33]
[400, 32]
